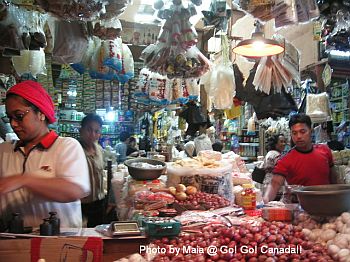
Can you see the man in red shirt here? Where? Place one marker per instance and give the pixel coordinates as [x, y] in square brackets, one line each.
[305, 164]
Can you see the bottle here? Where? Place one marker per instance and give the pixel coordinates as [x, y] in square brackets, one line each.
[149, 38]
[248, 196]
[55, 222]
[16, 224]
[46, 228]
[235, 144]
[73, 116]
[144, 37]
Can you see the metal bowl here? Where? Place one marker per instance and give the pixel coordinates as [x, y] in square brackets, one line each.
[324, 200]
[138, 173]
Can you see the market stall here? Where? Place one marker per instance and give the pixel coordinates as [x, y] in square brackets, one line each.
[179, 76]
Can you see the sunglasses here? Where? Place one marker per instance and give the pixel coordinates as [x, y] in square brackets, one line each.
[18, 117]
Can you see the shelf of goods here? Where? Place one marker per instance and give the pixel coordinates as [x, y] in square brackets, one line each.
[249, 145]
[246, 145]
[339, 102]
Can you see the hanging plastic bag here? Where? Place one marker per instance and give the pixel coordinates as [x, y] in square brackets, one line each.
[33, 35]
[30, 61]
[112, 50]
[70, 42]
[317, 107]
[180, 91]
[127, 71]
[85, 62]
[193, 88]
[108, 29]
[142, 86]
[10, 27]
[157, 85]
[223, 87]
[115, 8]
[96, 68]
[175, 86]
[222, 82]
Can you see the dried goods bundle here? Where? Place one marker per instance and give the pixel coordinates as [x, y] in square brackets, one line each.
[73, 9]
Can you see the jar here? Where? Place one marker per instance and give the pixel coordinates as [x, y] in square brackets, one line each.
[248, 196]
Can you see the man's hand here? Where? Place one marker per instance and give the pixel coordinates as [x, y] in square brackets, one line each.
[134, 154]
[333, 175]
[273, 188]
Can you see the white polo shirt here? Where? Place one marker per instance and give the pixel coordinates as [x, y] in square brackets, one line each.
[54, 156]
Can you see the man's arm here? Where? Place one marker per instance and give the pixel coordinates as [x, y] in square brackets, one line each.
[273, 188]
[54, 189]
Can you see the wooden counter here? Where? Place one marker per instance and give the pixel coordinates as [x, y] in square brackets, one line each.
[114, 249]
[85, 240]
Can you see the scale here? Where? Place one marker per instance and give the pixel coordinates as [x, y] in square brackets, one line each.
[127, 228]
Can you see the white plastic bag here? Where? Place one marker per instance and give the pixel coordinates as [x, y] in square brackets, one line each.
[223, 86]
[209, 180]
[30, 61]
[317, 107]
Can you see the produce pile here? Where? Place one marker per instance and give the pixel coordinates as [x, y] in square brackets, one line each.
[202, 200]
[269, 241]
[334, 234]
[187, 198]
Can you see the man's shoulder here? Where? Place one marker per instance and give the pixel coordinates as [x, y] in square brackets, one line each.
[67, 141]
[322, 147]
[6, 146]
[290, 154]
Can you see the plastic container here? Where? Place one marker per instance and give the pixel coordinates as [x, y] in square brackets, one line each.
[248, 197]
[161, 227]
[277, 214]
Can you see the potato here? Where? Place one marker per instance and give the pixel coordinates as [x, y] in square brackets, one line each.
[180, 188]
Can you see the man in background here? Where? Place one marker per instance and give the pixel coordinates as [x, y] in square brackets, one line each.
[122, 146]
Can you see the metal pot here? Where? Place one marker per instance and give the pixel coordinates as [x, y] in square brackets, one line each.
[145, 173]
[324, 200]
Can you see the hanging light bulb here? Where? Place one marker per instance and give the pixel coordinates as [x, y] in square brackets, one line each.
[258, 45]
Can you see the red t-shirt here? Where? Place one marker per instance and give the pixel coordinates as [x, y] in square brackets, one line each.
[306, 168]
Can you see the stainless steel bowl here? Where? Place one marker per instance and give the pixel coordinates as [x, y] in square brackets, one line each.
[324, 200]
[145, 173]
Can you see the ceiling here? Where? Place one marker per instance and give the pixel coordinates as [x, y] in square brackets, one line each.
[145, 9]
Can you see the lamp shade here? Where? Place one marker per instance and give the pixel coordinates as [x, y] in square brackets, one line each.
[258, 47]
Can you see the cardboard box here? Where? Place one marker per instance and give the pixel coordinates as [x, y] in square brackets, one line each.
[87, 249]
